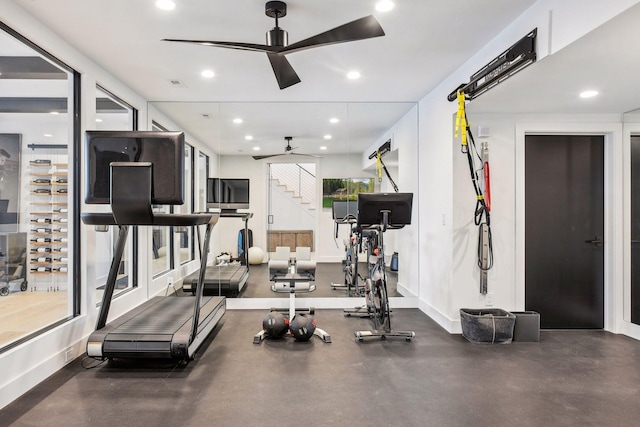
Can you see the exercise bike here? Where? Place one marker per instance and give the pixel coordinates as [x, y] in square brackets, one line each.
[369, 239]
[380, 212]
[353, 246]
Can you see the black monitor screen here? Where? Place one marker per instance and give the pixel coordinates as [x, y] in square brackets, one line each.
[371, 205]
[164, 150]
[228, 193]
[344, 210]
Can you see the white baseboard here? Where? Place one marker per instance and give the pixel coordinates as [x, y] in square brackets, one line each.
[450, 325]
[30, 369]
[630, 329]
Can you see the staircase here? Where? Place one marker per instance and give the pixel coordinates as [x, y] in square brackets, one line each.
[297, 180]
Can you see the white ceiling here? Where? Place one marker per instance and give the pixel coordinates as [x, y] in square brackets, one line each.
[425, 41]
[360, 125]
[606, 60]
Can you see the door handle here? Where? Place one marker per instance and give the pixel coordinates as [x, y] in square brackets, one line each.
[596, 241]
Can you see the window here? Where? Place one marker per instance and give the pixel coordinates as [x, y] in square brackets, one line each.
[162, 243]
[184, 235]
[39, 190]
[203, 174]
[112, 113]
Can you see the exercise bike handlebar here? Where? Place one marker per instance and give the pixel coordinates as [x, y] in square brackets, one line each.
[384, 224]
[348, 219]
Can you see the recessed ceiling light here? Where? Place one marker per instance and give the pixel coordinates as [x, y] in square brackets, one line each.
[48, 135]
[207, 74]
[323, 147]
[327, 136]
[249, 137]
[98, 120]
[334, 120]
[165, 4]
[237, 120]
[384, 6]
[353, 75]
[588, 94]
[256, 148]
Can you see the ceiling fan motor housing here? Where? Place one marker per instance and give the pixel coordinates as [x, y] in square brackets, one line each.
[277, 37]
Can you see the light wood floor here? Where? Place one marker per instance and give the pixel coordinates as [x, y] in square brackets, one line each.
[22, 313]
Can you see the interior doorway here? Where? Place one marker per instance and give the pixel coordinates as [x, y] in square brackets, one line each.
[292, 206]
[564, 230]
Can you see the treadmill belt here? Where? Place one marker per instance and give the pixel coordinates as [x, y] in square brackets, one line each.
[165, 317]
[161, 327]
[226, 277]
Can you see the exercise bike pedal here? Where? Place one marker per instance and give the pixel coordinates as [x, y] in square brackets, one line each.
[259, 337]
[323, 335]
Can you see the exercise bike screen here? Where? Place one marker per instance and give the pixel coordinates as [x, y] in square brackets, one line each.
[371, 205]
[344, 208]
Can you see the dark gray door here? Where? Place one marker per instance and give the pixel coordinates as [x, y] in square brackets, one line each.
[635, 229]
[564, 230]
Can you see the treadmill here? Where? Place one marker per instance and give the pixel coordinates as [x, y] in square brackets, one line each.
[169, 327]
[224, 279]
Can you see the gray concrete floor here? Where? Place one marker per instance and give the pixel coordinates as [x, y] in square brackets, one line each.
[569, 378]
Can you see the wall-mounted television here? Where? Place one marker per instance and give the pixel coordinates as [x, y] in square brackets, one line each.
[164, 150]
[228, 194]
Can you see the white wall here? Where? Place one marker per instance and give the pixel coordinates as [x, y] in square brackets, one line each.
[466, 273]
[404, 143]
[288, 213]
[329, 248]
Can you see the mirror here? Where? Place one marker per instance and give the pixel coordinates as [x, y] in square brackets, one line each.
[632, 294]
[329, 141]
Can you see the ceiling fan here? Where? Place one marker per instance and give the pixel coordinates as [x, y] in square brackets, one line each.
[277, 41]
[288, 150]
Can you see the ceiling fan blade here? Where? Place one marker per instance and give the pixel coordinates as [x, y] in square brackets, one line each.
[360, 29]
[283, 70]
[230, 45]
[291, 153]
[266, 157]
[306, 155]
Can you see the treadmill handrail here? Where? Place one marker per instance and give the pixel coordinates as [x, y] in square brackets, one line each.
[177, 220]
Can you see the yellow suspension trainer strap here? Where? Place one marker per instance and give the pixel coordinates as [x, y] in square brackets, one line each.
[380, 166]
[482, 216]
